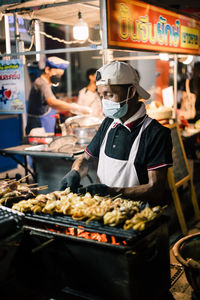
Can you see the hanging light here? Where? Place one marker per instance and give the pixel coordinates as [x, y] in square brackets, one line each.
[80, 30]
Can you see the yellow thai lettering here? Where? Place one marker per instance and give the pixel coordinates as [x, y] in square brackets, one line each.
[124, 20]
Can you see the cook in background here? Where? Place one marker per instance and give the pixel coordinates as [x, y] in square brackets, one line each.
[89, 97]
[42, 101]
[133, 150]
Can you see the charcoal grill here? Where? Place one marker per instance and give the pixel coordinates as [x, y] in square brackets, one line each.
[10, 237]
[136, 267]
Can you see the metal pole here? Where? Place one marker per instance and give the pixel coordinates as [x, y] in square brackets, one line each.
[103, 22]
[174, 116]
[7, 35]
[69, 74]
[54, 51]
[17, 36]
[37, 39]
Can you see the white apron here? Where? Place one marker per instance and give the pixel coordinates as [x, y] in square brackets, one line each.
[119, 173]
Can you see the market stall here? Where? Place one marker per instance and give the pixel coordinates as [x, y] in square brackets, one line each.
[122, 256]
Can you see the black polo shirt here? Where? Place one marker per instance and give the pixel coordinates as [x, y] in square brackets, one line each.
[155, 148]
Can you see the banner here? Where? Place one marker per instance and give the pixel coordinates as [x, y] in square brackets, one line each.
[12, 95]
[138, 25]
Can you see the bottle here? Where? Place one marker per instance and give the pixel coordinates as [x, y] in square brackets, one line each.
[57, 129]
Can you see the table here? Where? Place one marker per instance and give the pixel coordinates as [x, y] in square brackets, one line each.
[48, 167]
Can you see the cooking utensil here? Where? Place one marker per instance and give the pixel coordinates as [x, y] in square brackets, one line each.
[62, 141]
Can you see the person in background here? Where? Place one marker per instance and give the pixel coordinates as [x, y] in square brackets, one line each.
[195, 87]
[42, 102]
[89, 97]
[133, 150]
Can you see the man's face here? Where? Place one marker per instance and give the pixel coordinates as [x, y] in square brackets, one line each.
[57, 72]
[92, 77]
[115, 93]
[54, 72]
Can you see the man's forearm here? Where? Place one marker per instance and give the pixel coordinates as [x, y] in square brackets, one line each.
[81, 165]
[145, 192]
[151, 192]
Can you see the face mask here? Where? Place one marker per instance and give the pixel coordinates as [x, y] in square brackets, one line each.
[113, 109]
[55, 80]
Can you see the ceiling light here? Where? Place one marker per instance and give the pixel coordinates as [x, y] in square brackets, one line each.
[80, 30]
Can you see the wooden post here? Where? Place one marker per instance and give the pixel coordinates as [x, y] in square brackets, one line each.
[180, 174]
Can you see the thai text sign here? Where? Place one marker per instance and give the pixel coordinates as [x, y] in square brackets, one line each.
[138, 25]
[12, 96]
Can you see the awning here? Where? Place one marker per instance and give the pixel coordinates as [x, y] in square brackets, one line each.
[55, 11]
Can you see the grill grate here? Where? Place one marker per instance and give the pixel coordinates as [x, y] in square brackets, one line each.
[10, 221]
[94, 226]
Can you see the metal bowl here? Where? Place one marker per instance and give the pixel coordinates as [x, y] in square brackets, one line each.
[186, 251]
[57, 143]
[83, 121]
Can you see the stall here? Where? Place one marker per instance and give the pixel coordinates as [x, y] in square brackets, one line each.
[63, 247]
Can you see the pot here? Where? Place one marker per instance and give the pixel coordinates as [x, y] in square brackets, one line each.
[83, 127]
[187, 252]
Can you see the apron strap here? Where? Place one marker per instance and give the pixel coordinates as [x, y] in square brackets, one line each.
[135, 146]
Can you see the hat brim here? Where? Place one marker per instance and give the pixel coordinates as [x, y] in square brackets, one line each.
[142, 93]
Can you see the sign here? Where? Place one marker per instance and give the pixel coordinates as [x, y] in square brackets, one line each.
[138, 25]
[12, 95]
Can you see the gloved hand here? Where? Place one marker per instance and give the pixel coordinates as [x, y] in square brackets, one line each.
[93, 189]
[71, 179]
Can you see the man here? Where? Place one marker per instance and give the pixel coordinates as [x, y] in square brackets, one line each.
[43, 103]
[89, 97]
[133, 150]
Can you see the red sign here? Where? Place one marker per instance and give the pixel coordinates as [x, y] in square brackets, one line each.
[138, 25]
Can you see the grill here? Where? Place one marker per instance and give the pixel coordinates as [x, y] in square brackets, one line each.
[10, 238]
[128, 265]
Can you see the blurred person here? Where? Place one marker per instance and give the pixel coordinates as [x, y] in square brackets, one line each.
[89, 97]
[42, 103]
[195, 87]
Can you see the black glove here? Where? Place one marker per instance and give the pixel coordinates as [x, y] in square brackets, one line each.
[71, 179]
[93, 189]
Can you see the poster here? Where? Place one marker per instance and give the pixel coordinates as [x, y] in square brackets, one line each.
[12, 93]
[141, 26]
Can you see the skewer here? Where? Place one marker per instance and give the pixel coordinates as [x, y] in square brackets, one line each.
[11, 180]
[116, 196]
[32, 184]
[24, 177]
[44, 187]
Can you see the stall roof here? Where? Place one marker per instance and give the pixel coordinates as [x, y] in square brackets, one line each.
[55, 11]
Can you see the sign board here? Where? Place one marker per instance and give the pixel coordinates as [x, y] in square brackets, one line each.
[141, 26]
[12, 93]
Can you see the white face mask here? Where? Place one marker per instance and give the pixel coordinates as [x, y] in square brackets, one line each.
[113, 109]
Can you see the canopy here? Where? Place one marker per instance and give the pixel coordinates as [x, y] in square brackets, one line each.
[55, 11]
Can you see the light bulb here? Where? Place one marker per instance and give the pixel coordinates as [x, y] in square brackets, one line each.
[80, 30]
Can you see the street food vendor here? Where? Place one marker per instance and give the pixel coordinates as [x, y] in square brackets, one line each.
[133, 150]
[89, 97]
[43, 103]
